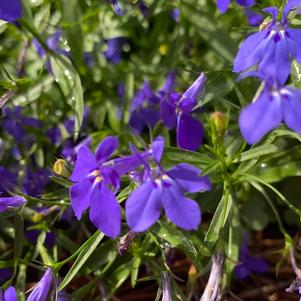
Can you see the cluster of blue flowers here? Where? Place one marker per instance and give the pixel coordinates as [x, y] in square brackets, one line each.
[96, 178]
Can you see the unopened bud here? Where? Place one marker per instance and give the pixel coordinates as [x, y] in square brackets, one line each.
[125, 242]
[192, 273]
[220, 122]
[61, 169]
[37, 217]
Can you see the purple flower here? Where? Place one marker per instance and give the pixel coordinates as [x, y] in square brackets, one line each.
[54, 134]
[41, 290]
[10, 10]
[93, 179]
[165, 189]
[249, 264]
[143, 8]
[223, 5]
[71, 148]
[35, 181]
[9, 294]
[8, 180]
[144, 110]
[166, 288]
[5, 274]
[272, 48]
[175, 14]
[114, 49]
[176, 113]
[15, 123]
[118, 10]
[274, 105]
[13, 201]
[253, 17]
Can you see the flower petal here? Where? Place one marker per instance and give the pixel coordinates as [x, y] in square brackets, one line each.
[106, 148]
[168, 114]
[80, 196]
[260, 117]
[187, 176]
[143, 206]
[250, 51]
[10, 10]
[15, 201]
[182, 211]
[222, 5]
[105, 211]
[42, 288]
[158, 148]
[190, 132]
[291, 106]
[195, 89]
[85, 163]
[10, 294]
[294, 42]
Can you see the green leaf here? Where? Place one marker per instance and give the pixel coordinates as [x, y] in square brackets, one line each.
[296, 74]
[177, 239]
[135, 270]
[219, 220]
[256, 152]
[86, 251]
[70, 84]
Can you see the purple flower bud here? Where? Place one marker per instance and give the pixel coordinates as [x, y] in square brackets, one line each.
[14, 201]
[41, 289]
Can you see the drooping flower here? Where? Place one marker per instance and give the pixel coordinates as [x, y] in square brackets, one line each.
[144, 110]
[272, 48]
[11, 202]
[223, 5]
[176, 113]
[114, 49]
[212, 291]
[161, 188]
[118, 10]
[41, 290]
[9, 294]
[11, 10]
[92, 189]
[274, 105]
[249, 264]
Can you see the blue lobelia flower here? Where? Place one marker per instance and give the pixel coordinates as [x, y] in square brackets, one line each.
[161, 188]
[41, 290]
[9, 294]
[176, 14]
[114, 49]
[176, 113]
[11, 202]
[248, 263]
[118, 10]
[272, 48]
[222, 5]
[144, 110]
[93, 179]
[15, 123]
[10, 10]
[274, 105]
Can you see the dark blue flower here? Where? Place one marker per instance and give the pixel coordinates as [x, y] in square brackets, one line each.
[10, 10]
[223, 5]
[93, 180]
[9, 294]
[144, 110]
[11, 202]
[114, 49]
[176, 113]
[272, 48]
[118, 10]
[161, 188]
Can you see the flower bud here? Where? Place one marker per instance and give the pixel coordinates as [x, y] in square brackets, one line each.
[220, 122]
[61, 168]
